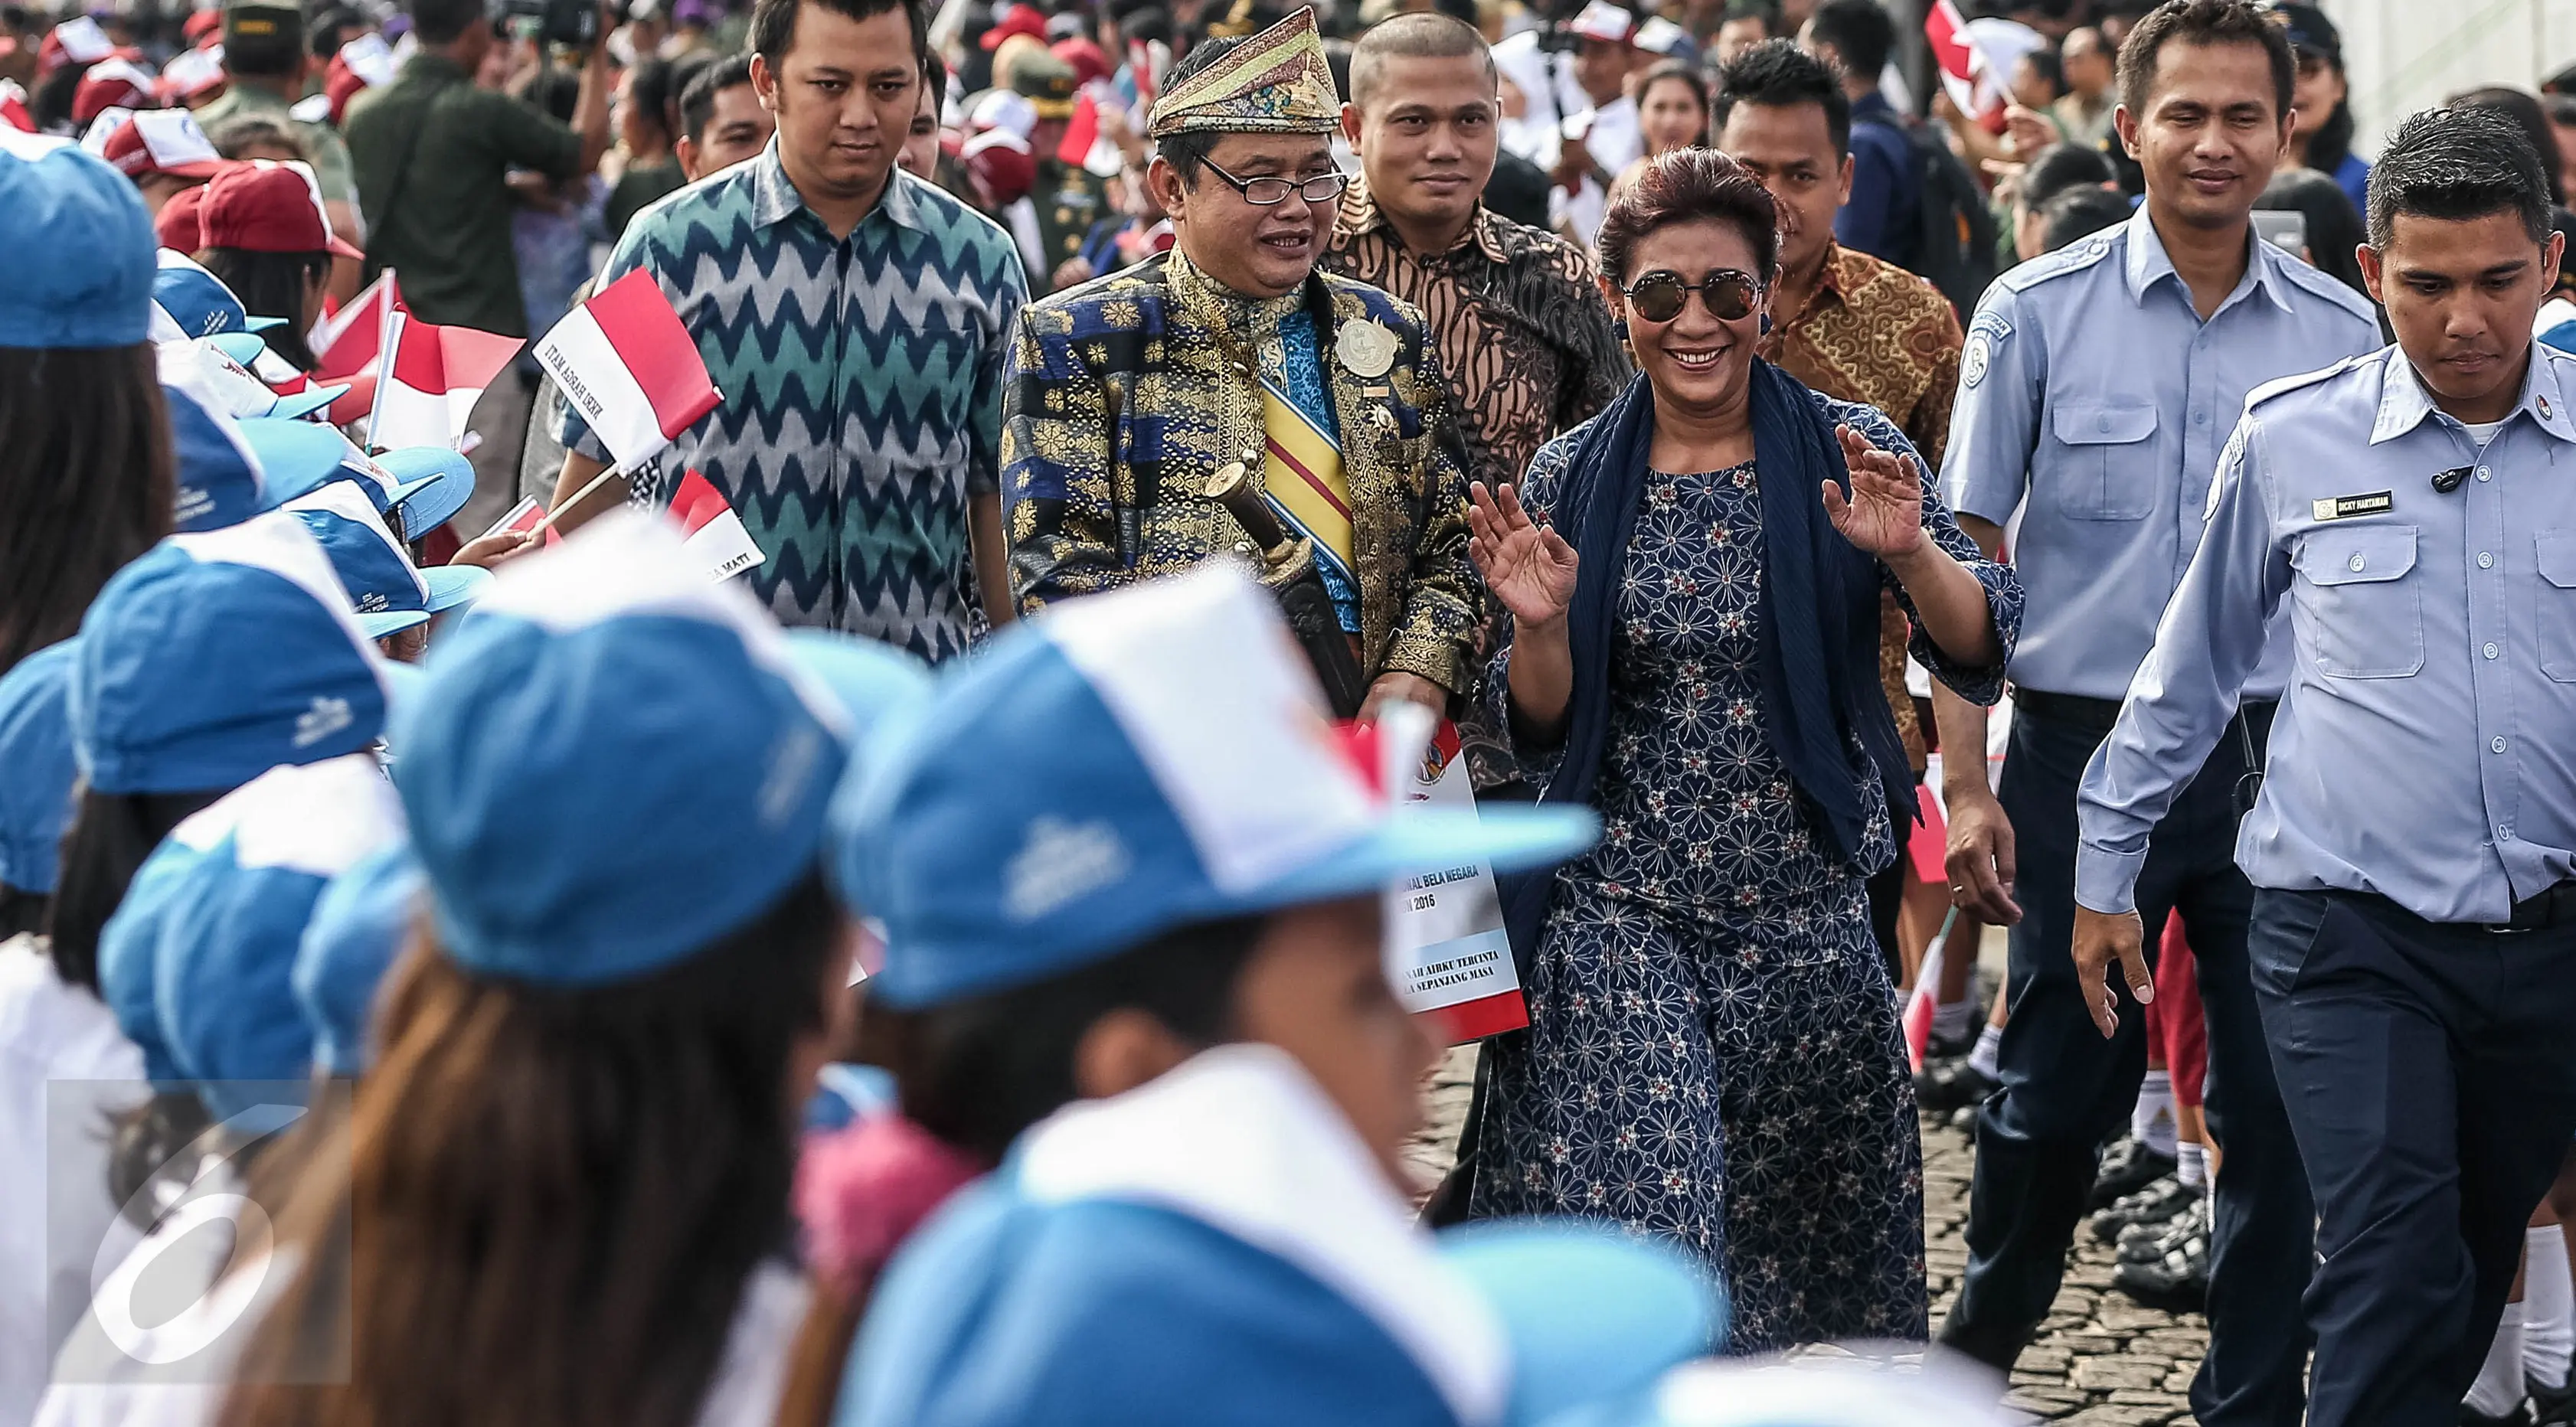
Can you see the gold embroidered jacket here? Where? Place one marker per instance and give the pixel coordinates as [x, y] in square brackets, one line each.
[1122, 397]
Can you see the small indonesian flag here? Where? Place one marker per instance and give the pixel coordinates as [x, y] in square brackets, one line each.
[716, 536]
[345, 345]
[13, 107]
[1976, 58]
[629, 369]
[427, 391]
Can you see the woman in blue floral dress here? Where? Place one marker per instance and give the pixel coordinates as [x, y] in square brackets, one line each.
[1714, 1053]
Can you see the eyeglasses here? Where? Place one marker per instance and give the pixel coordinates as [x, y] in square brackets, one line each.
[1263, 192]
[1729, 295]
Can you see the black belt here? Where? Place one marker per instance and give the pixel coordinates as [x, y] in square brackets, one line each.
[2095, 714]
[2541, 910]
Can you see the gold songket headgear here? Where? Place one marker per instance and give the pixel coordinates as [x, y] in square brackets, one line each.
[1276, 82]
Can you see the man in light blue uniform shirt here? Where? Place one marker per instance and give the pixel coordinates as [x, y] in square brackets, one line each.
[2414, 931]
[2096, 391]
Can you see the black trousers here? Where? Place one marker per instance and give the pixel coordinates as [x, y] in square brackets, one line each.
[2430, 1074]
[2065, 1088]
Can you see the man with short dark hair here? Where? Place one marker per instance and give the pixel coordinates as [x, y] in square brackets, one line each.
[1517, 313]
[1232, 359]
[266, 61]
[432, 152]
[2413, 843]
[2083, 113]
[1845, 323]
[1886, 204]
[854, 318]
[2095, 392]
[721, 121]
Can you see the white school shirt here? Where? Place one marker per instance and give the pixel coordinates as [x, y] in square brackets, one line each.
[53, 1035]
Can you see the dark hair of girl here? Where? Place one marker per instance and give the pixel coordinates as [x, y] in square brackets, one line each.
[979, 1071]
[2334, 225]
[1690, 186]
[85, 483]
[109, 836]
[1689, 77]
[2330, 143]
[272, 285]
[559, 1192]
[22, 911]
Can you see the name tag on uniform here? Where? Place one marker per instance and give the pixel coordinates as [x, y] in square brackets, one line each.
[2345, 506]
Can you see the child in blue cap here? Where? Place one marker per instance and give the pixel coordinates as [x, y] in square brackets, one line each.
[1122, 859]
[50, 1031]
[84, 448]
[572, 1152]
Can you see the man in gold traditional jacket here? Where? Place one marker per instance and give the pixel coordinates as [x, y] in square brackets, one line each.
[1125, 396]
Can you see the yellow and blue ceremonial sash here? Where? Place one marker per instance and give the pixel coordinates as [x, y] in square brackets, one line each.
[1302, 471]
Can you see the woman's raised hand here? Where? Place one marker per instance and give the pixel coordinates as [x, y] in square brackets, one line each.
[1884, 515]
[1527, 565]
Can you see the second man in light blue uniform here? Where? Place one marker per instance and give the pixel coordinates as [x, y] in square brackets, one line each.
[2414, 928]
[2096, 391]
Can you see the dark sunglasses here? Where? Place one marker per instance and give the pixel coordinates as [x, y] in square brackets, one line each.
[1729, 295]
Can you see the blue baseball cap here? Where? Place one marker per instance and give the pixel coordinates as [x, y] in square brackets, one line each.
[197, 301]
[387, 592]
[430, 484]
[1120, 766]
[224, 961]
[226, 385]
[218, 656]
[129, 945]
[218, 477]
[356, 931]
[614, 761]
[1594, 1316]
[37, 771]
[80, 246]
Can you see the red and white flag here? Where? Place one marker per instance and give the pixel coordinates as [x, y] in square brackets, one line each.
[1976, 58]
[345, 345]
[427, 387]
[715, 535]
[13, 107]
[629, 369]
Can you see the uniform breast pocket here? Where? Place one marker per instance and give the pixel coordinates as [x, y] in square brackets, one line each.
[2364, 600]
[2106, 467]
[2555, 621]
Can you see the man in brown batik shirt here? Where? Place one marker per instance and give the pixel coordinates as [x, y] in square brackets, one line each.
[1517, 313]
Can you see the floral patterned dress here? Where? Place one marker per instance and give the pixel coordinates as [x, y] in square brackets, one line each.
[1714, 1053]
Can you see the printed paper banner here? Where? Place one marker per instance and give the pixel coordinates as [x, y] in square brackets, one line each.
[715, 534]
[1446, 948]
[629, 369]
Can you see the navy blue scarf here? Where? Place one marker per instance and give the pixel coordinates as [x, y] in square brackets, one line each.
[1819, 612]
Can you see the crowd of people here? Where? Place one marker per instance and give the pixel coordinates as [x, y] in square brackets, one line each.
[466, 964]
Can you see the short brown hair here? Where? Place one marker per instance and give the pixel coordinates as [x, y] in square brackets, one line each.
[1425, 34]
[1691, 186]
[2204, 22]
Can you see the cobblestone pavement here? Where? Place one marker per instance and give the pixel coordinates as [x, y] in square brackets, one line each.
[2100, 1361]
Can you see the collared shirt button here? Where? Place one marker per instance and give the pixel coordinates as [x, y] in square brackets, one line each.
[2484, 473]
[2496, 744]
[2490, 650]
[2357, 563]
[2486, 560]
[2102, 422]
[2200, 418]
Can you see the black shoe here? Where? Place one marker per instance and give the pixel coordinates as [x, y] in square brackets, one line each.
[2520, 1416]
[1951, 1085]
[2552, 1407]
[1941, 1047]
[1964, 1120]
[2155, 1204]
[2177, 1283]
[2128, 1167]
[2149, 1243]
